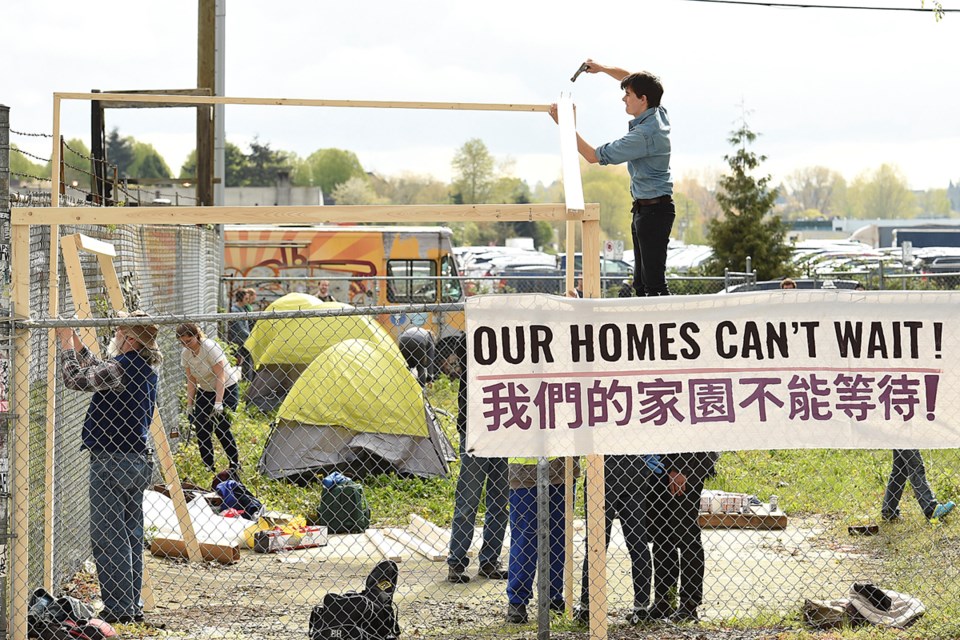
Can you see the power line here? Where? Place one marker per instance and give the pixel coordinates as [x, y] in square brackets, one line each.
[934, 9]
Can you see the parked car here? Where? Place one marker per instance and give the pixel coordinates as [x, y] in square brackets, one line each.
[802, 283]
[531, 278]
[612, 272]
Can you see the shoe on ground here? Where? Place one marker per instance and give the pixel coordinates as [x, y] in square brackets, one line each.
[660, 610]
[457, 575]
[558, 607]
[581, 615]
[517, 613]
[123, 618]
[685, 614]
[891, 517]
[942, 510]
[640, 615]
[492, 571]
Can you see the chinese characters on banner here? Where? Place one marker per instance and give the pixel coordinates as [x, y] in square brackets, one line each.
[819, 369]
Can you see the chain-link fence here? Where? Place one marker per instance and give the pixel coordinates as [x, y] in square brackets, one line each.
[333, 391]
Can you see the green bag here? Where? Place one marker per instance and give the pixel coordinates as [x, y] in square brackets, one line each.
[343, 508]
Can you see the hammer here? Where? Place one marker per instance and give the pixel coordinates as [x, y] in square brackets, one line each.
[582, 68]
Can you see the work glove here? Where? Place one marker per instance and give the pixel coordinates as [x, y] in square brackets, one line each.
[218, 408]
[653, 463]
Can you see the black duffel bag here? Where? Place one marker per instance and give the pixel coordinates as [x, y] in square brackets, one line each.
[367, 615]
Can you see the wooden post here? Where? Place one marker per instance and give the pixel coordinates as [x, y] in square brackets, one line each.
[569, 496]
[596, 539]
[50, 439]
[20, 437]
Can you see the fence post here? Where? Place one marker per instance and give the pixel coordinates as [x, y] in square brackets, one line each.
[4, 340]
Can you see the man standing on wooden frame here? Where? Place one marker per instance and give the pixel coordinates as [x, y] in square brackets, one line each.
[646, 150]
[115, 432]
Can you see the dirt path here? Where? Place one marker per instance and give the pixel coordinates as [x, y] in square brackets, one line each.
[267, 597]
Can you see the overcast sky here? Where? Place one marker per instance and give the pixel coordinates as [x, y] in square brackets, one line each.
[845, 89]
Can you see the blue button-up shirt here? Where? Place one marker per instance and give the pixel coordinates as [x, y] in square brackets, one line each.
[646, 150]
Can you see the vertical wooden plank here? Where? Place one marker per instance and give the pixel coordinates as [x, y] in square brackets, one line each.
[50, 440]
[570, 488]
[20, 438]
[596, 542]
[78, 290]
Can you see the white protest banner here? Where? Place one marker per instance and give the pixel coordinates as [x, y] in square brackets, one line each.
[551, 376]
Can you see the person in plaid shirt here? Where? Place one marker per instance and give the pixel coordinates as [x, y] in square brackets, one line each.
[114, 433]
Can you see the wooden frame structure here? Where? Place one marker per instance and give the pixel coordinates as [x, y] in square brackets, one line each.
[573, 212]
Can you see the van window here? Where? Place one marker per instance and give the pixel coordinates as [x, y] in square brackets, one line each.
[452, 291]
[411, 281]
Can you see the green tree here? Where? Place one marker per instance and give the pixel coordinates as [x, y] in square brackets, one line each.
[120, 152]
[747, 228]
[815, 188]
[148, 163]
[234, 161]
[23, 165]
[77, 165]
[610, 188]
[263, 163]
[473, 173]
[327, 168]
[410, 188]
[356, 190]
[934, 203]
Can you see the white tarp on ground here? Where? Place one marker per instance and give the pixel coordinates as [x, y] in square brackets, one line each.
[160, 520]
[766, 370]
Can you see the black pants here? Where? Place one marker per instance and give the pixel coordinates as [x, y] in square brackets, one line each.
[207, 424]
[651, 235]
[677, 546]
[626, 491]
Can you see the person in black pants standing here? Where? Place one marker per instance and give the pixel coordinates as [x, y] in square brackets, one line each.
[674, 527]
[646, 150]
[626, 487]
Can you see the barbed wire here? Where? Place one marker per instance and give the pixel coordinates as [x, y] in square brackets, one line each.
[31, 135]
[77, 153]
[27, 153]
[27, 175]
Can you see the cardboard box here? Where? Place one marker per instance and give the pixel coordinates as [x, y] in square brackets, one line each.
[174, 548]
[276, 540]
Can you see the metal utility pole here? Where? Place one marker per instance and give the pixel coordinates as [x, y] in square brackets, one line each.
[206, 79]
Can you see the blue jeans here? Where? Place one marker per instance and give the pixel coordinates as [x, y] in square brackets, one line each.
[651, 235]
[523, 544]
[474, 473]
[117, 483]
[907, 464]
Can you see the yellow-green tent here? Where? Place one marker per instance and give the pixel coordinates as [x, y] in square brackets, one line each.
[282, 349]
[300, 340]
[361, 385]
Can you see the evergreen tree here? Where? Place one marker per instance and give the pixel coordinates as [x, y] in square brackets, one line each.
[747, 227]
[120, 151]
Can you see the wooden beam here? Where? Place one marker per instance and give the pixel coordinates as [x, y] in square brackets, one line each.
[19, 552]
[92, 245]
[304, 102]
[155, 105]
[206, 71]
[382, 214]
